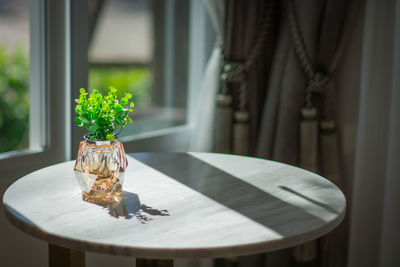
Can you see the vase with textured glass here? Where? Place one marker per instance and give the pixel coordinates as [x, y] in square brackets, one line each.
[101, 162]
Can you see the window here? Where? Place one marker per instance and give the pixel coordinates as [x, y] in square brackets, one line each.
[14, 75]
[45, 121]
[56, 32]
[147, 56]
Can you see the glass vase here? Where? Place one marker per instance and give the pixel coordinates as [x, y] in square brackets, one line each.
[100, 169]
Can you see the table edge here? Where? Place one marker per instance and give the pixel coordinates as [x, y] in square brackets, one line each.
[169, 253]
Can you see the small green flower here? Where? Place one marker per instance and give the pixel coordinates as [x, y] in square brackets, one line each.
[110, 137]
[124, 101]
[118, 107]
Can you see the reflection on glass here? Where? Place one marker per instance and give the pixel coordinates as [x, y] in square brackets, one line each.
[123, 53]
[100, 169]
[14, 75]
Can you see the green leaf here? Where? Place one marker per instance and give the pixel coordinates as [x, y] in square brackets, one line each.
[84, 118]
[121, 115]
[78, 121]
[106, 107]
[118, 107]
[78, 109]
[93, 128]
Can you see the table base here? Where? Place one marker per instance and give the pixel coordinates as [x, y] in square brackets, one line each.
[65, 257]
[154, 263]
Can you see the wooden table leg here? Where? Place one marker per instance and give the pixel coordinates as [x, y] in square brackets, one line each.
[154, 263]
[65, 257]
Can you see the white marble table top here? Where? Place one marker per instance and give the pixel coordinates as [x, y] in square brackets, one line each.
[181, 205]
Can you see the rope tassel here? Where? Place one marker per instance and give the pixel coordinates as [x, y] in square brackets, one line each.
[330, 157]
[308, 160]
[309, 139]
[330, 152]
[241, 133]
[223, 127]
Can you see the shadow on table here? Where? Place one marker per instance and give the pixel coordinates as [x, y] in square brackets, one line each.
[318, 203]
[131, 207]
[236, 194]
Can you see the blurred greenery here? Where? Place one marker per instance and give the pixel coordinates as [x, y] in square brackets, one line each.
[14, 99]
[135, 81]
[14, 93]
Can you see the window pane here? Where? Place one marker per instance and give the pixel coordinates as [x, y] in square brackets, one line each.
[132, 48]
[14, 75]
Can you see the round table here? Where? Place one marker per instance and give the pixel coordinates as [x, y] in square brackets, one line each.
[179, 205]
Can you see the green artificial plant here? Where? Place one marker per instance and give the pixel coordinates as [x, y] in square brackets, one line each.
[103, 117]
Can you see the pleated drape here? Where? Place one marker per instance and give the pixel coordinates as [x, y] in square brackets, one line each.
[277, 90]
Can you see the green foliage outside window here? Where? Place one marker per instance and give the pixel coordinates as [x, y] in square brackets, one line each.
[14, 99]
[14, 93]
[135, 81]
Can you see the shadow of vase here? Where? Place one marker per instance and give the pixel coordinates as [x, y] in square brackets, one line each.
[129, 206]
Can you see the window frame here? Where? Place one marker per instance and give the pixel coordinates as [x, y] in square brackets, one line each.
[178, 138]
[48, 92]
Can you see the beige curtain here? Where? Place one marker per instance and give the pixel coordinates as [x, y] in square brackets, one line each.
[202, 137]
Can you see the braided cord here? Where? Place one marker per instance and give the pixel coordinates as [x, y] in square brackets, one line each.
[317, 81]
[298, 42]
[262, 39]
[256, 51]
[234, 72]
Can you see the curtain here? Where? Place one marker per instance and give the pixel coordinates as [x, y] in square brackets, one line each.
[202, 139]
[374, 235]
[245, 21]
[277, 90]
